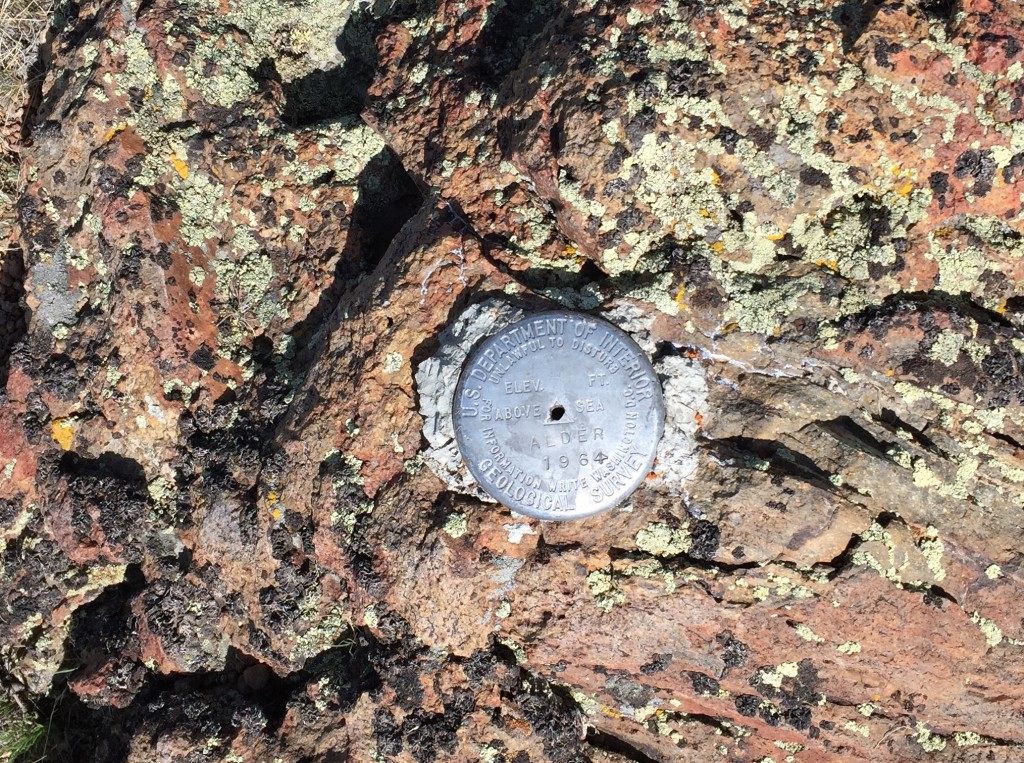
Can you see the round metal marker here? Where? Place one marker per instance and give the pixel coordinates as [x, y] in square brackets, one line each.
[558, 416]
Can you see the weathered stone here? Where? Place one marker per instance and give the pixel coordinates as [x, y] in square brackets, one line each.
[257, 241]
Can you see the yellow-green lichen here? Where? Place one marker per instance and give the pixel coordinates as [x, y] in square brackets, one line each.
[661, 540]
[324, 633]
[857, 728]
[932, 548]
[946, 347]
[929, 741]
[849, 647]
[203, 206]
[456, 525]
[602, 587]
[370, 617]
[993, 634]
[807, 634]
[967, 738]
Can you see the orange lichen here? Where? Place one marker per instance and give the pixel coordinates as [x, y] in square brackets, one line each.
[113, 131]
[179, 166]
[62, 433]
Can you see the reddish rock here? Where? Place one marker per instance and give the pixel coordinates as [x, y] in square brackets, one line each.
[244, 229]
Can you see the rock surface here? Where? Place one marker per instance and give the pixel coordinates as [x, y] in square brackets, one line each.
[244, 228]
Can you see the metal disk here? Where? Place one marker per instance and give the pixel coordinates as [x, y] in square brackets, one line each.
[558, 416]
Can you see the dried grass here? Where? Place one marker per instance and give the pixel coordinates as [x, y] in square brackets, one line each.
[21, 733]
[21, 24]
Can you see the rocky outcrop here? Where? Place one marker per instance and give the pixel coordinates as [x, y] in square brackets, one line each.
[245, 228]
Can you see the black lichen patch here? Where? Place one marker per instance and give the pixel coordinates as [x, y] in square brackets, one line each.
[429, 734]
[793, 699]
[657, 664]
[815, 177]
[704, 685]
[204, 358]
[797, 717]
[13, 320]
[769, 713]
[689, 77]
[979, 165]
[747, 704]
[60, 376]
[107, 495]
[734, 652]
[884, 49]
[554, 717]
[629, 692]
[805, 685]
[386, 732]
[704, 540]
[32, 563]
[480, 666]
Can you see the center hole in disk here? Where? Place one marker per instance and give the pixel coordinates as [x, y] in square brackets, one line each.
[557, 412]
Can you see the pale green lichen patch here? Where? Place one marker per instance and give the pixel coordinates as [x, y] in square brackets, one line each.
[807, 634]
[932, 548]
[370, 617]
[898, 559]
[299, 38]
[661, 540]
[324, 633]
[929, 741]
[231, 81]
[244, 285]
[959, 487]
[967, 738]
[946, 347]
[204, 208]
[602, 587]
[857, 728]
[456, 525]
[993, 634]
